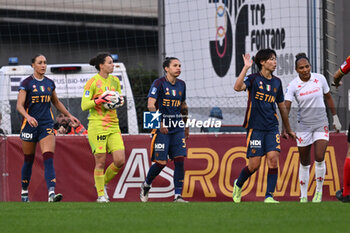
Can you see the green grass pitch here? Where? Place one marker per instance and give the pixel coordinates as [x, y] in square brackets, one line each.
[170, 217]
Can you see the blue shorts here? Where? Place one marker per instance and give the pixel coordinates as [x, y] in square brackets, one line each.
[259, 142]
[168, 144]
[35, 134]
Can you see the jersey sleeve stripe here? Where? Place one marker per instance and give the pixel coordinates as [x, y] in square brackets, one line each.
[89, 83]
[248, 137]
[152, 144]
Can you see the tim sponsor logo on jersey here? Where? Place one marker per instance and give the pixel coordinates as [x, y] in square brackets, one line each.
[255, 143]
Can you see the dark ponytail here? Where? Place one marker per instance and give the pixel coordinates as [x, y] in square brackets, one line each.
[167, 61]
[300, 56]
[99, 59]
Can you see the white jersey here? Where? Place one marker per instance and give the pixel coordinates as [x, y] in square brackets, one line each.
[309, 96]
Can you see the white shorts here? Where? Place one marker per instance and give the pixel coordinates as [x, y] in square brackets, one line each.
[307, 135]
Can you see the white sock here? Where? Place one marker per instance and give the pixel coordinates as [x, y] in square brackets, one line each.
[320, 172]
[304, 175]
[24, 191]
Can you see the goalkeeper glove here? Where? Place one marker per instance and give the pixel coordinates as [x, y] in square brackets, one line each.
[121, 101]
[104, 98]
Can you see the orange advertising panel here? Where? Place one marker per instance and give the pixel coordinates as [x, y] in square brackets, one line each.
[213, 163]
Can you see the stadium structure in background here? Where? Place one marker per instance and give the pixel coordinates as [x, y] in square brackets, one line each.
[207, 36]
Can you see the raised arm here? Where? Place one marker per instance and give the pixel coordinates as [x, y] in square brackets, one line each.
[338, 75]
[239, 84]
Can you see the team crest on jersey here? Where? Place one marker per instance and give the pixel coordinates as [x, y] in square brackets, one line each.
[173, 92]
[180, 93]
[87, 93]
[275, 90]
[268, 87]
[49, 88]
[42, 88]
[167, 91]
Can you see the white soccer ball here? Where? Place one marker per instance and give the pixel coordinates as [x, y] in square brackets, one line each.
[114, 99]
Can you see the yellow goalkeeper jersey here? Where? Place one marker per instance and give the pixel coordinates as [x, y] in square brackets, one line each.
[101, 120]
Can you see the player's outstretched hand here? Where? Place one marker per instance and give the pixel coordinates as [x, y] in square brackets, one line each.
[75, 122]
[32, 121]
[104, 98]
[248, 62]
[284, 134]
[292, 134]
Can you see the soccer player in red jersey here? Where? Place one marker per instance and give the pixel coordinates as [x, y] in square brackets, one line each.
[36, 94]
[344, 194]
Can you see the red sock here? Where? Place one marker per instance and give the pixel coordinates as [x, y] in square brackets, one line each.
[346, 178]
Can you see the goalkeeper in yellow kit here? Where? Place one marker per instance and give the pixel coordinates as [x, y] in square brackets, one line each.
[103, 131]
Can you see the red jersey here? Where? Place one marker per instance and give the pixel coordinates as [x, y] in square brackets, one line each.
[345, 67]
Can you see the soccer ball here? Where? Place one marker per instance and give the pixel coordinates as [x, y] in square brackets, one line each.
[114, 98]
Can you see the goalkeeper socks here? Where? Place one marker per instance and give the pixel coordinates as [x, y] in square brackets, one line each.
[346, 178]
[99, 182]
[271, 182]
[27, 170]
[110, 173]
[243, 176]
[50, 175]
[178, 175]
[154, 171]
[304, 176]
[320, 171]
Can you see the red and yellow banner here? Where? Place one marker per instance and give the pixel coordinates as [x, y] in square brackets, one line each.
[213, 163]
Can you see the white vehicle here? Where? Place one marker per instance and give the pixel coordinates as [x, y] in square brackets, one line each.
[70, 80]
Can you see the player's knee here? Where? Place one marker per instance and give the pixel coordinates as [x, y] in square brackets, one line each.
[100, 165]
[253, 167]
[119, 163]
